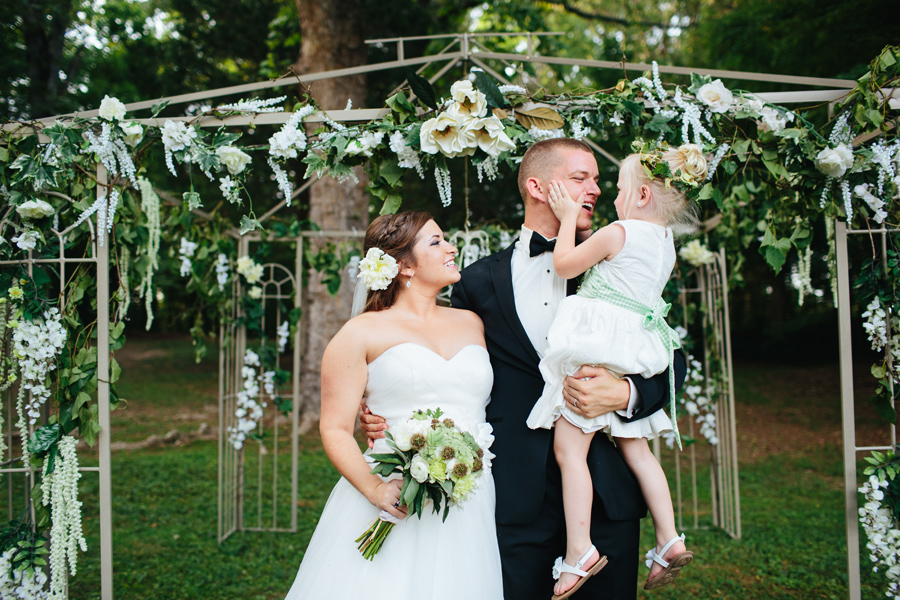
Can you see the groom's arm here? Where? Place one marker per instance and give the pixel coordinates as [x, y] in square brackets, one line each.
[602, 393]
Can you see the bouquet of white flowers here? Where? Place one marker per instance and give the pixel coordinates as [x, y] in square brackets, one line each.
[440, 460]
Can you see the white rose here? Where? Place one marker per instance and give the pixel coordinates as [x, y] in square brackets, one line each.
[402, 434]
[716, 96]
[418, 468]
[111, 109]
[471, 102]
[487, 134]
[233, 159]
[444, 134]
[255, 292]
[834, 162]
[694, 162]
[35, 209]
[696, 253]
[134, 133]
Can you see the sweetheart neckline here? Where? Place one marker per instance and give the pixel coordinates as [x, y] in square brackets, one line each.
[458, 352]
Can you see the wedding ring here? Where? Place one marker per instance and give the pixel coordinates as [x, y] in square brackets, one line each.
[575, 402]
[397, 504]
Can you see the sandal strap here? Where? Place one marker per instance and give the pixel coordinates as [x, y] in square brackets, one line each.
[654, 556]
[561, 566]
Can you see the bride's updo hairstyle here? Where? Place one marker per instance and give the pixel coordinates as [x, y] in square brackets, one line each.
[394, 235]
[671, 203]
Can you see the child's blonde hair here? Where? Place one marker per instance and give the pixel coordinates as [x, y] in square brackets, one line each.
[670, 204]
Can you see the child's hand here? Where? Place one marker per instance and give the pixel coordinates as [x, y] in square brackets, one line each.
[561, 202]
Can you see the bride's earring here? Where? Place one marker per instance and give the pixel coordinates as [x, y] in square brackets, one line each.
[409, 281]
[640, 204]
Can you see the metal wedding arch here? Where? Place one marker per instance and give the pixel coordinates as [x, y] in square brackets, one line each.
[460, 48]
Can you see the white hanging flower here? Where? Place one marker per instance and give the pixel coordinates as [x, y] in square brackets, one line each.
[470, 101]
[222, 271]
[61, 492]
[545, 134]
[283, 333]
[407, 157]
[185, 252]
[513, 89]
[716, 96]
[249, 410]
[177, 136]
[875, 203]
[36, 345]
[111, 109]
[377, 269]
[696, 253]
[35, 209]
[134, 133]
[234, 159]
[834, 162]
[27, 240]
[291, 138]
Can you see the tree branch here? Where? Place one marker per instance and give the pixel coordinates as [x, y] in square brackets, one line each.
[607, 18]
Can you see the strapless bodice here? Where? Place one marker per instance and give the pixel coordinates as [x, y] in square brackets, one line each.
[409, 377]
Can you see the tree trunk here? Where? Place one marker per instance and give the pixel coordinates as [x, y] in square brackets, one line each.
[332, 39]
[44, 26]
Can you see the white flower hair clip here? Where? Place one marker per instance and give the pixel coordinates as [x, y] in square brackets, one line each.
[377, 269]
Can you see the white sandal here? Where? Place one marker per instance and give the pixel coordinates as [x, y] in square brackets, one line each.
[561, 566]
[671, 569]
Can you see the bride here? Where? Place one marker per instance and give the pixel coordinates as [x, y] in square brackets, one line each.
[403, 353]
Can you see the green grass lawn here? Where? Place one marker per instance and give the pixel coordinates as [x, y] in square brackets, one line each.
[165, 500]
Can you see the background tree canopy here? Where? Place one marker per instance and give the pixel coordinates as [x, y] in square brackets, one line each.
[64, 55]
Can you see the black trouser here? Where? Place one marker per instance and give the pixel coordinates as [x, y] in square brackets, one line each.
[527, 551]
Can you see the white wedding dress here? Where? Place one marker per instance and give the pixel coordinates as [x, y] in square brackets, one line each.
[421, 559]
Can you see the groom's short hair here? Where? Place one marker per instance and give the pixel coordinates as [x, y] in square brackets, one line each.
[543, 157]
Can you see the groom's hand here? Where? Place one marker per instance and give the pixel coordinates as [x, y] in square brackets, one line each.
[594, 391]
[372, 425]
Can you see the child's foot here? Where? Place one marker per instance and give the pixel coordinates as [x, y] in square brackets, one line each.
[666, 562]
[575, 571]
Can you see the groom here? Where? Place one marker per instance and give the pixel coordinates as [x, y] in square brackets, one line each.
[516, 293]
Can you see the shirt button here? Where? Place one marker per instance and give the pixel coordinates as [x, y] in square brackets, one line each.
[548, 270]
[545, 304]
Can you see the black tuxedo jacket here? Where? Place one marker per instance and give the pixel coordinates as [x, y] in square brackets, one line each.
[523, 454]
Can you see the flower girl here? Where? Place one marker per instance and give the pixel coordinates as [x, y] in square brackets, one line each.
[616, 320]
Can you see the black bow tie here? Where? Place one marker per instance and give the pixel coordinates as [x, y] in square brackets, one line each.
[538, 245]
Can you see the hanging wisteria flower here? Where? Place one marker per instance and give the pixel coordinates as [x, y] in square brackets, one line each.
[27, 240]
[234, 159]
[111, 109]
[251, 271]
[222, 271]
[60, 491]
[545, 134]
[696, 400]
[256, 106]
[716, 96]
[230, 189]
[876, 324]
[875, 203]
[134, 133]
[283, 333]
[834, 162]
[36, 345]
[185, 252]
[878, 522]
[696, 253]
[249, 410]
[35, 209]
[377, 269]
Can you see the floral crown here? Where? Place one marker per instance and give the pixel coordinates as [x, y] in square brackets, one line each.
[688, 180]
[377, 269]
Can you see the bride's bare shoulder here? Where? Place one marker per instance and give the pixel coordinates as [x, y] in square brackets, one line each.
[464, 318]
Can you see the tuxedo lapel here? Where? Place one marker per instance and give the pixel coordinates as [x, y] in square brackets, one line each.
[501, 273]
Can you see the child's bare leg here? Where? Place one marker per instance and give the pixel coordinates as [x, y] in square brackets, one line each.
[655, 488]
[571, 445]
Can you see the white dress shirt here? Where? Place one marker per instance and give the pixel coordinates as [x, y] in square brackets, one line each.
[538, 290]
